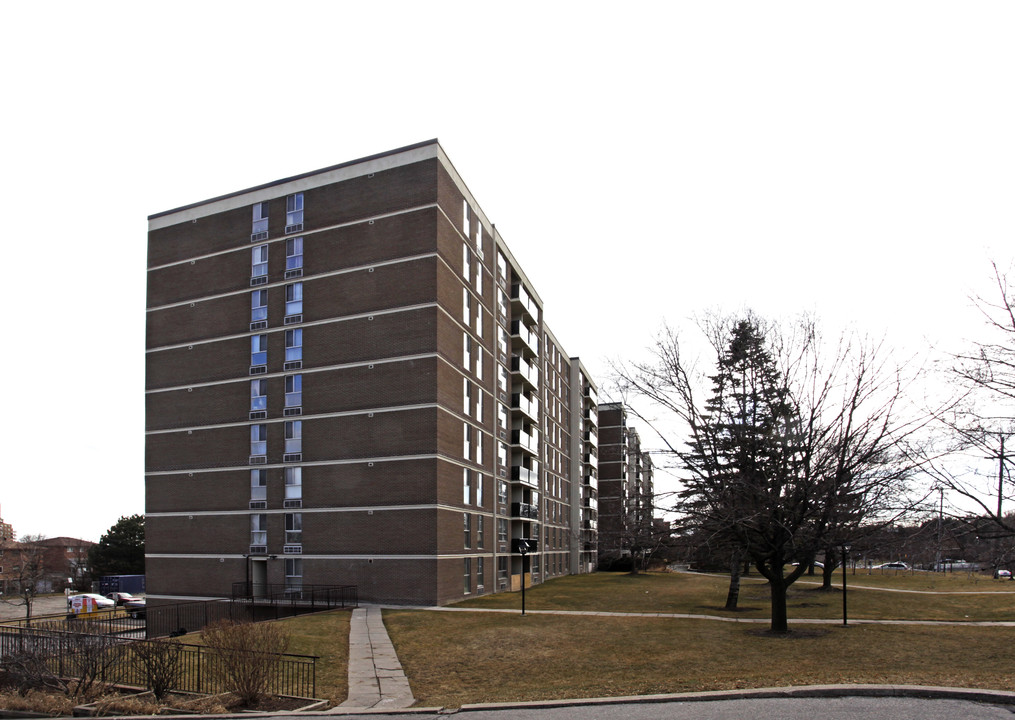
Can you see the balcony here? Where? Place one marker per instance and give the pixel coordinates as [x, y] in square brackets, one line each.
[522, 369]
[523, 339]
[531, 544]
[525, 475]
[526, 405]
[525, 440]
[524, 511]
[590, 460]
[522, 302]
[592, 414]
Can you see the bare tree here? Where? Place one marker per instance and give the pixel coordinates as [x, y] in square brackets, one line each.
[790, 448]
[972, 457]
[26, 559]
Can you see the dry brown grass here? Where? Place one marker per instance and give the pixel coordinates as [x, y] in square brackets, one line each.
[705, 595]
[456, 658]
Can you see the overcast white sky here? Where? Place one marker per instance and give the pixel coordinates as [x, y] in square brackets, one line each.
[644, 162]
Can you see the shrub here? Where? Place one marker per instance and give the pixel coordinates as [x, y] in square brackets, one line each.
[246, 656]
[161, 662]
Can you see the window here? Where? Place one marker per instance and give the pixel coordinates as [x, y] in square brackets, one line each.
[467, 443]
[467, 395]
[502, 455]
[479, 278]
[293, 391]
[259, 230]
[294, 213]
[466, 262]
[293, 574]
[466, 307]
[259, 262]
[258, 305]
[468, 576]
[479, 575]
[293, 528]
[479, 447]
[501, 267]
[479, 361]
[502, 379]
[258, 395]
[502, 341]
[259, 529]
[479, 489]
[258, 350]
[258, 485]
[502, 530]
[502, 572]
[468, 529]
[466, 486]
[467, 351]
[293, 484]
[466, 219]
[293, 436]
[293, 345]
[479, 531]
[293, 253]
[479, 405]
[294, 299]
[258, 440]
[502, 416]
[479, 320]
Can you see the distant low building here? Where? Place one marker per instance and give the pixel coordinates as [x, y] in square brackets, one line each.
[50, 565]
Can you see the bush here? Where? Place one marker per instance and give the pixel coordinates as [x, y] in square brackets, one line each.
[161, 662]
[246, 656]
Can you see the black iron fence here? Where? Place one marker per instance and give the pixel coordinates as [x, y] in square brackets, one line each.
[305, 598]
[111, 659]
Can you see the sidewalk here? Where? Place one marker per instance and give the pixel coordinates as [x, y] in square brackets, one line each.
[376, 679]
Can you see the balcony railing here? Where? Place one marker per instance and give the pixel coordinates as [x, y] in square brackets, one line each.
[532, 544]
[529, 441]
[521, 299]
[528, 371]
[529, 406]
[525, 475]
[525, 511]
[524, 338]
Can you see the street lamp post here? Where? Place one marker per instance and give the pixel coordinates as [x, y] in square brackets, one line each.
[845, 555]
[523, 548]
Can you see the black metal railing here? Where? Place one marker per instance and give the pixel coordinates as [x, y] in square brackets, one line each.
[302, 598]
[72, 654]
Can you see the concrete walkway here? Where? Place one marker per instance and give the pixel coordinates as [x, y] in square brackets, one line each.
[376, 679]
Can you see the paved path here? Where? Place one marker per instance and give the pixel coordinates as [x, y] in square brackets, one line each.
[719, 618]
[376, 679]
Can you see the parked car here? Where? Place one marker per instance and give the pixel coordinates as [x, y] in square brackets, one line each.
[120, 598]
[816, 564]
[892, 566]
[1004, 574]
[100, 601]
[135, 608]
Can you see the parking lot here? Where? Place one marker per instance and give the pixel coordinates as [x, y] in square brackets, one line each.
[43, 605]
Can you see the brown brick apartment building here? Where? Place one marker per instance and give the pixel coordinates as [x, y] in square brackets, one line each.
[350, 381]
[626, 492]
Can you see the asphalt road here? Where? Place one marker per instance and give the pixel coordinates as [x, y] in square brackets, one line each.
[847, 708]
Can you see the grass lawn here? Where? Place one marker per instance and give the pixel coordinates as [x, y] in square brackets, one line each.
[456, 658]
[706, 595]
